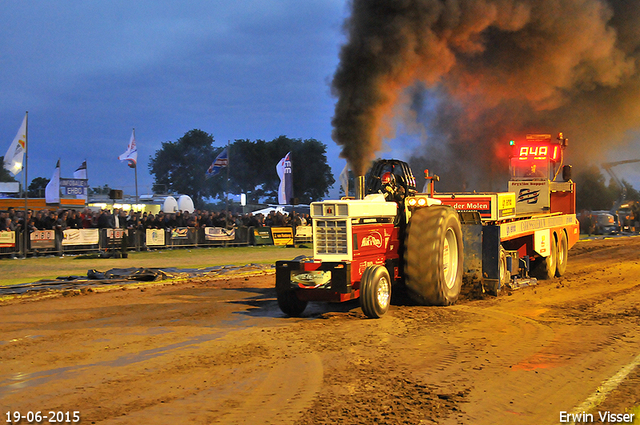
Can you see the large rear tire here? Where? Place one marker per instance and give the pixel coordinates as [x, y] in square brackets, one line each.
[433, 256]
[375, 291]
[563, 254]
[547, 266]
[290, 304]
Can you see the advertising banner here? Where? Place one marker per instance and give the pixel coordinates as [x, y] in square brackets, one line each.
[116, 234]
[219, 234]
[80, 237]
[282, 235]
[7, 239]
[72, 187]
[491, 206]
[43, 239]
[531, 196]
[155, 237]
[262, 236]
[180, 233]
[304, 232]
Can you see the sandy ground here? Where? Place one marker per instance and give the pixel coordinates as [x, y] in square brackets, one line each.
[220, 351]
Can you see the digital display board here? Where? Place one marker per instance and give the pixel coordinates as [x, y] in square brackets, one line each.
[541, 152]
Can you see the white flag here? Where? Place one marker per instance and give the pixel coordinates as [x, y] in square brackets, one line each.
[14, 158]
[131, 154]
[52, 191]
[81, 173]
[344, 179]
[285, 190]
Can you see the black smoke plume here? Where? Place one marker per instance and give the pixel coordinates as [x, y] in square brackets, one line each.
[497, 69]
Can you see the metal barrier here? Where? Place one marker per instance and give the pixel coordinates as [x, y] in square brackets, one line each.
[79, 241]
[9, 244]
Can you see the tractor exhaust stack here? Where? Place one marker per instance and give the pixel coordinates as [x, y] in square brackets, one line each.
[359, 187]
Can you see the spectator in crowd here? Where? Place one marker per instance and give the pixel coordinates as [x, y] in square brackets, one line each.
[61, 222]
[31, 226]
[88, 219]
[148, 221]
[39, 219]
[5, 223]
[104, 220]
[122, 219]
[16, 224]
[50, 221]
[191, 220]
[73, 220]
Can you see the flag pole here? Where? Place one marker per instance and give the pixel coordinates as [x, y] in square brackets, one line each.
[135, 169]
[226, 190]
[25, 227]
[86, 174]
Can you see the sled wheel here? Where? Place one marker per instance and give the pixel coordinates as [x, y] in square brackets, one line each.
[433, 256]
[546, 267]
[375, 291]
[290, 304]
[563, 254]
[492, 287]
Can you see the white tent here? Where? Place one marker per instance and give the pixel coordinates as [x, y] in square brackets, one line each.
[266, 211]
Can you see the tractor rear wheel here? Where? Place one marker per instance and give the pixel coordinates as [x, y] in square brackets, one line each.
[375, 291]
[433, 256]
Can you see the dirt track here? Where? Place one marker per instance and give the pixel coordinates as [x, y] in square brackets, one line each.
[220, 351]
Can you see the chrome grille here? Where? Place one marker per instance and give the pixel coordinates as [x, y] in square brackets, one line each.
[331, 237]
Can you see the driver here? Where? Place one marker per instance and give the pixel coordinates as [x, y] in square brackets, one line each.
[534, 172]
[390, 188]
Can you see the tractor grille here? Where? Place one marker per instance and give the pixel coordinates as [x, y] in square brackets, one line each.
[331, 237]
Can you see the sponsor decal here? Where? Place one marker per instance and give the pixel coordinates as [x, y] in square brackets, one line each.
[219, 234]
[155, 237]
[311, 279]
[373, 239]
[80, 237]
[529, 196]
[471, 205]
[7, 239]
[482, 205]
[179, 233]
[364, 264]
[39, 235]
[116, 233]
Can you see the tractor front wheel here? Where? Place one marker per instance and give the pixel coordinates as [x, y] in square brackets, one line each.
[375, 291]
[290, 304]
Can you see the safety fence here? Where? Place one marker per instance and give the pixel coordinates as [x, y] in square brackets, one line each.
[79, 241]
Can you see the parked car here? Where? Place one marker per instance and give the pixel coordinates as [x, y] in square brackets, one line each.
[605, 223]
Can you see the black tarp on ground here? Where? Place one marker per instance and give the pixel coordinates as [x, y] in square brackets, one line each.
[124, 276]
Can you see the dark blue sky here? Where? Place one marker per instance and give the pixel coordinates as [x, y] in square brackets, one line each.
[90, 72]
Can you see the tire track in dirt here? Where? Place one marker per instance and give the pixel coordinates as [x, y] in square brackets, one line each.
[279, 396]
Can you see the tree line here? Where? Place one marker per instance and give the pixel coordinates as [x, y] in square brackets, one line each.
[180, 166]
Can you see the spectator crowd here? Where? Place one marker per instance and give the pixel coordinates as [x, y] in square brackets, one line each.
[13, 220]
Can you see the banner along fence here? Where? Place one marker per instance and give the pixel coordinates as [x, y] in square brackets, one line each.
[78, 241]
